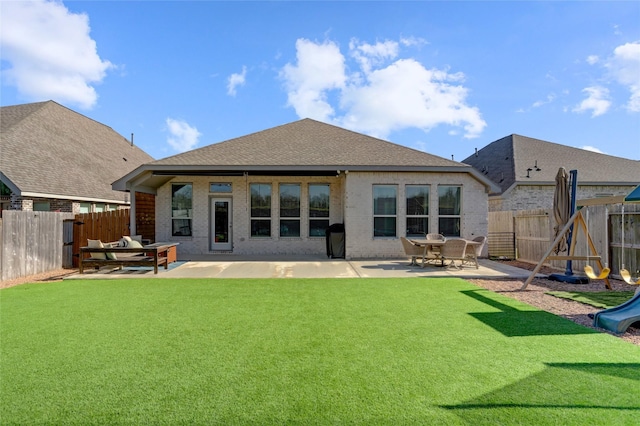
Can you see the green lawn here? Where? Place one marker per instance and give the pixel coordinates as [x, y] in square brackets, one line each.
[599, 299]
[302, 352]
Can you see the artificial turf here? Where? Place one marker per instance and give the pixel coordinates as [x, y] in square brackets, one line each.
[302, 351]
[599, 299]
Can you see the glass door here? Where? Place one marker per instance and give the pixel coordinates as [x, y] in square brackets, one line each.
[221, 224]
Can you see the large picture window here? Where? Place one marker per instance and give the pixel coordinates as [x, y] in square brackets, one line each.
[289, 210]
[449, 203]
[319, 195]
[260, 209]
[181, 209]
[417, 197]
[384, 210]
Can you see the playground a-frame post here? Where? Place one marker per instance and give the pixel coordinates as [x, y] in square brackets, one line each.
[633, 197]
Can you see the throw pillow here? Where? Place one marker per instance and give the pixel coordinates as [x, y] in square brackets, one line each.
[96, 244]
[134, 244]
[111, 256]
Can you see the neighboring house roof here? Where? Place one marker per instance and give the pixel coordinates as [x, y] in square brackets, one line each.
[50, 151]
[304, 147]
[519, 160]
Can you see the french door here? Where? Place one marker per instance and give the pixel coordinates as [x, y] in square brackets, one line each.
[221, 224]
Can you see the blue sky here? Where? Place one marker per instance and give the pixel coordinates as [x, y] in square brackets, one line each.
[441, 77]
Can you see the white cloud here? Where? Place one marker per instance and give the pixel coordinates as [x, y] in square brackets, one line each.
[182, 137]
[413, 41]
[592, 149]
[624, 66]
[381, 95]
[550, 98]
[236, 80]
[369, 55]
[320, 68]
[597, 101]
[50, 52]
[592, 59]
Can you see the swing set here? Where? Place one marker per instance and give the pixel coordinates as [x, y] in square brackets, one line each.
[623, 271]
[581, 220]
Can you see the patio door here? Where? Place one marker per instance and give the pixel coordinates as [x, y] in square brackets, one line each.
[220, 224]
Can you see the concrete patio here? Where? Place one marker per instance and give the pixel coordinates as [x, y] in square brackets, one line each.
[234, 266]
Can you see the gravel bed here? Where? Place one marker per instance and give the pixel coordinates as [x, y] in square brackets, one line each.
[535, 295]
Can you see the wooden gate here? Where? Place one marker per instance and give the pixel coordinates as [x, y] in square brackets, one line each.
[104, 226]
[501, 237]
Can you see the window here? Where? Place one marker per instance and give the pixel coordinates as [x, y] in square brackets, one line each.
[260, 209]
[319, 195]
[181, 209]
[384, 210]
[220, 187]
[449, 201]
[41, 206]
[417, 210]
[98, 208]
[85, 208]
[289, 210]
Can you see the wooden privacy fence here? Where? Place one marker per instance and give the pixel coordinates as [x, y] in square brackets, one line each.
[501, 241]
[104, 226]
[31, 242]
[533, 233]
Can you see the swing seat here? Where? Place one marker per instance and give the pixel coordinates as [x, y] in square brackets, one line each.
[626, 276]
[588, 270]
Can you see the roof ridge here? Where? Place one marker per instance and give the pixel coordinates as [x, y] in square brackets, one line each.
[329, 128]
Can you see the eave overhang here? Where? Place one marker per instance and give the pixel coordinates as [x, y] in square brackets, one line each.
[147, 178]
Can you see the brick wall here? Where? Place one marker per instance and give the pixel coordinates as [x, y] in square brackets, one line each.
[528, 197]
[351, 192]
[360, 242]
[199, 243]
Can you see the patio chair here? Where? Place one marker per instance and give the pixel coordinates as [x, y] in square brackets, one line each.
[454, 250]
[473, 252]
[434, 252]
[413, 250]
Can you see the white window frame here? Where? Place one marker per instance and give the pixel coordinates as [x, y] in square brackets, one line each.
[188, 217]
[408, 214]
[383, 215]
[457, 216]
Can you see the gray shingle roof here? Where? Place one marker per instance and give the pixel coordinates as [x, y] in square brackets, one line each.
[304, 147]
[307, 143]
[507, 160]
[46, 148]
